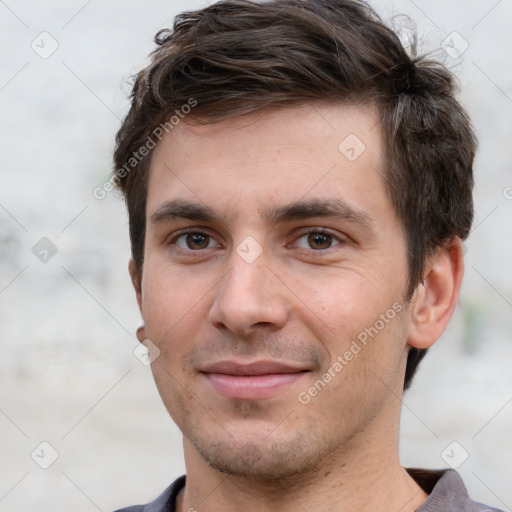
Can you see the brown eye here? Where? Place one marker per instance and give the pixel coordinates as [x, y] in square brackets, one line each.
[319, 241]
[197, 241]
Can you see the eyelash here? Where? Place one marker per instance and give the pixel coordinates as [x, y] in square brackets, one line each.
[336, 239]
[320, 231]
[190, 231]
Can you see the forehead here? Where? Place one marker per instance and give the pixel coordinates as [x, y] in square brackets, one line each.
[272, 156]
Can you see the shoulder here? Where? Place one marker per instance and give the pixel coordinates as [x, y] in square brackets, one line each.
[165, 501]
[447, 492]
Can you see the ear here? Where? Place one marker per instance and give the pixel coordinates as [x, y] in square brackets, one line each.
[136, 281]
[434, 299]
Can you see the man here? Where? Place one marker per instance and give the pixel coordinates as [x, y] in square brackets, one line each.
[298, 189]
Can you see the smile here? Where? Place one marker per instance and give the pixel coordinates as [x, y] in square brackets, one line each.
[254, 381]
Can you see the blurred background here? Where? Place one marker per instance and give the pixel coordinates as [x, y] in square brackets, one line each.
[82, 425]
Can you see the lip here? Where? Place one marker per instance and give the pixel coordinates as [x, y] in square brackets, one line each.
[253, 381]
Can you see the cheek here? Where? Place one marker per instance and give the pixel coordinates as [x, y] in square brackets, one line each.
[365, 368]
[174, 310]
[343, 305]
[362, 328]
[174, 306]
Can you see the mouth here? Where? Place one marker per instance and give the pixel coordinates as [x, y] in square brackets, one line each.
[257, 380]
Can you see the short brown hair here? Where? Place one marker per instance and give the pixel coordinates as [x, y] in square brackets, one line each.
[237, 56]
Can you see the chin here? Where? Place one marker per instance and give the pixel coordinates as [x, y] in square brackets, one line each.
[267, 457]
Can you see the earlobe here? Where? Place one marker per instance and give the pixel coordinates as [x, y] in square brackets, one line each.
[136, 281]
[141, 333]
[434, 299]
[135, 275]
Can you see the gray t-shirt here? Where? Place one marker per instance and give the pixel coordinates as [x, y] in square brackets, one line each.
[446, 490]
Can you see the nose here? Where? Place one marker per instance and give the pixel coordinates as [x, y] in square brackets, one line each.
[249, 296]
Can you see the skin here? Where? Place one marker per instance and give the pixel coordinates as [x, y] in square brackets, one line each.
[303, 301]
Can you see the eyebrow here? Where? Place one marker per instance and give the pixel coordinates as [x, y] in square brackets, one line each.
[331, 208]
[179, 209]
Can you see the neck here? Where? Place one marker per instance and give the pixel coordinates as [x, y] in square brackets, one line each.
[364, 475]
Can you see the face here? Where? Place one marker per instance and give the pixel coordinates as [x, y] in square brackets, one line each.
[273, 285]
